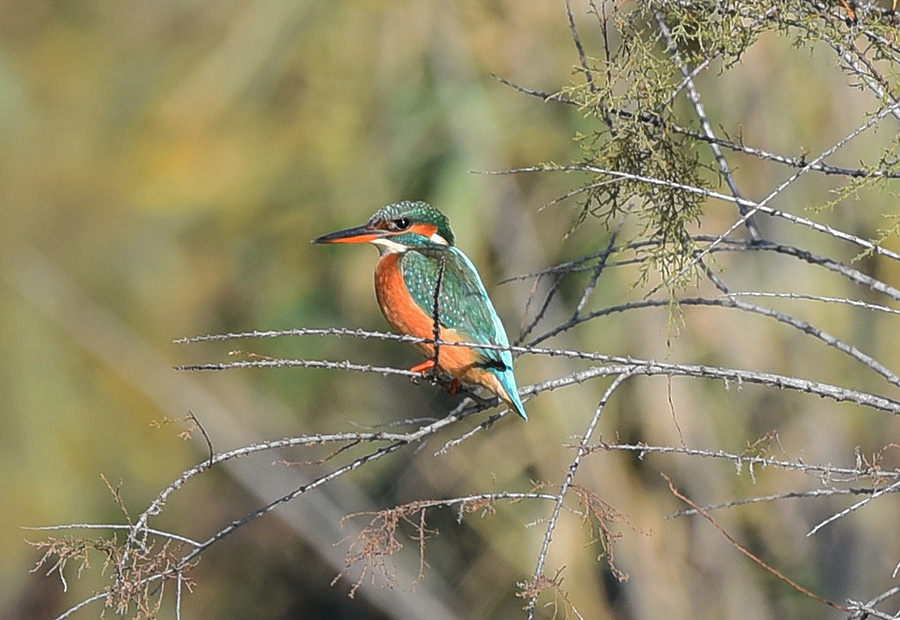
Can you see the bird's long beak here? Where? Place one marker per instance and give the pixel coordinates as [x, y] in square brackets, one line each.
[359, 234]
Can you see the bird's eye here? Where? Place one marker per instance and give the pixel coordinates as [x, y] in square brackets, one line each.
[401, 223]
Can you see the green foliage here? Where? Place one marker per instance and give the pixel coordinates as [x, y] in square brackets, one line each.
[645, 132]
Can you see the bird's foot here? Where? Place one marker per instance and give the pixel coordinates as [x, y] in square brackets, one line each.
[430, 371]
[424, 367]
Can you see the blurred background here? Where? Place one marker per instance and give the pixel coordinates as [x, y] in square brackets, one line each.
[163, 166]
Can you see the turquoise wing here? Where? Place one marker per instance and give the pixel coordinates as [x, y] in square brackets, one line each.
[464, 305]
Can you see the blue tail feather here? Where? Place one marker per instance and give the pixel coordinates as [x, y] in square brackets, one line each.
[508, 381]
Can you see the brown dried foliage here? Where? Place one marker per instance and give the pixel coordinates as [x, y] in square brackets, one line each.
[533, 589]
[138, 575]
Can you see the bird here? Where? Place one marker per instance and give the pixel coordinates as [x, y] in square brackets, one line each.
[422, 276]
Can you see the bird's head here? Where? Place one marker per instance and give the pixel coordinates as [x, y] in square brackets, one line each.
[398, 227]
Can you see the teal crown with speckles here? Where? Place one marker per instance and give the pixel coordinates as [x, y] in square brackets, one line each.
[418, 212]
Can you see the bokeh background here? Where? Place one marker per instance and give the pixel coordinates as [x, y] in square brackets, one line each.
[163, 166]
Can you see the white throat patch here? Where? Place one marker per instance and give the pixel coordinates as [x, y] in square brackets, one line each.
[387, 246]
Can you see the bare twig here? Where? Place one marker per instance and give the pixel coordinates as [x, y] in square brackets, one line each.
[699, 110]
[843, 513]
[570, 476]
[777, 573]
[436, 316]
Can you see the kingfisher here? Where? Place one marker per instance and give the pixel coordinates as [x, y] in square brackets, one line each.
[422, 276]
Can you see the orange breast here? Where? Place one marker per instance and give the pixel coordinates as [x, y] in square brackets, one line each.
[406, 317]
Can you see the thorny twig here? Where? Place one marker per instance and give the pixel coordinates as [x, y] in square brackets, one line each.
[748, 553]
[436, 315]
[563, 492]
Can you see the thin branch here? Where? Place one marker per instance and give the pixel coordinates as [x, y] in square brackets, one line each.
[781, 576]
[776, 497]
[582, 56]
[862, 610]
[825, 472]
[730, 302]
[597, 272]
[585, 263]
[700, 111]
[738, 147]
[111, 526]
[551, 292]
[856, 303]
[543, 95]
[651, 368]
[843, 513]
[570, 476]
[815, 332]
[647, 367]
[206, 437]
[780, 189]
[752, 206]
[436, 316]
